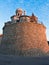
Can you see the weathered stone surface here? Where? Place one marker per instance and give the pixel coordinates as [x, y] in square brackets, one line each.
[24, 36]
[0, 38]
[30, 52]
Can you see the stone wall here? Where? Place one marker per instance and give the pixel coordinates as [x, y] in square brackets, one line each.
[0, 38]
[24, 36]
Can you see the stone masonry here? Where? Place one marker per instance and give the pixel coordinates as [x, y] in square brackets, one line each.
[25, 35]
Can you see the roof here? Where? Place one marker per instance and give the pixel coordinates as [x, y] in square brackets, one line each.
[19, 9]
[24, 16]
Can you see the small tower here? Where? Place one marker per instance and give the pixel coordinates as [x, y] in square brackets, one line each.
[19, 12]
[24, 12]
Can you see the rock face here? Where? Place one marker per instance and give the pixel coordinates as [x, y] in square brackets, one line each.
[22, 36]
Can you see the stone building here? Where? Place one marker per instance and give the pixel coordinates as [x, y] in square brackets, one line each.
[23, 35]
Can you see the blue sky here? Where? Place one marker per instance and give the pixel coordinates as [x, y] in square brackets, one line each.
[39, 7]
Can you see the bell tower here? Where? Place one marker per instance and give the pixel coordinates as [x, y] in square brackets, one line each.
[19, 12]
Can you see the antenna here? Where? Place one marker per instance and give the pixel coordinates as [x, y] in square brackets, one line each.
[24, 12]
[32, 14]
